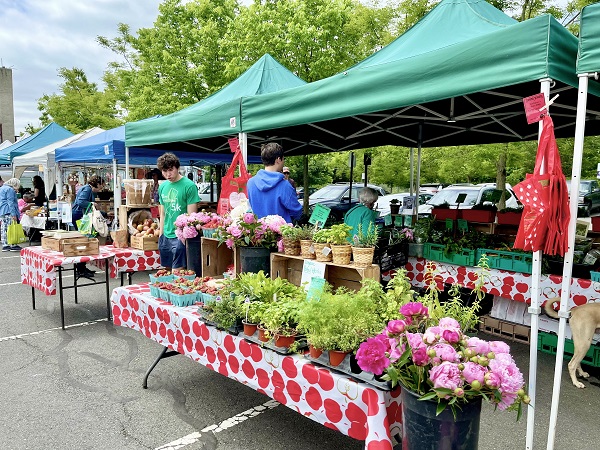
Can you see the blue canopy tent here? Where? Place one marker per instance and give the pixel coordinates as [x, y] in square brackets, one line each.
[108, 147]
[47, 135]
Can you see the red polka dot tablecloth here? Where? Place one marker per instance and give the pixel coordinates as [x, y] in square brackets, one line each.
[506, 284]
[38, 265]
[130, 260]
[356, 409]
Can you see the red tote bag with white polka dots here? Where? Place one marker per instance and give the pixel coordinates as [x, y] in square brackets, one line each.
[545, 218]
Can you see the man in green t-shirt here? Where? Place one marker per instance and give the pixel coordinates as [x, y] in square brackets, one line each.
[177, 195]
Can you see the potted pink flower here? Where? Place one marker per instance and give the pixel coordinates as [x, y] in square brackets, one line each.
[443, 374]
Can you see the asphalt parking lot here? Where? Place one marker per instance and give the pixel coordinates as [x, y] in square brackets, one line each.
[81, 388]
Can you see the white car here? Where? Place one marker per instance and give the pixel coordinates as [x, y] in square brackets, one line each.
[204, 192]
[476, 194]
[383, 203]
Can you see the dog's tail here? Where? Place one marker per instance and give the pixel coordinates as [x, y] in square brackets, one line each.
[549, 309]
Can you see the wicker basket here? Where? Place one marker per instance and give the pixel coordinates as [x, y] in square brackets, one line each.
[342, 254]
[363, 256]
[291, 247]
[305, 249]
[319, 247]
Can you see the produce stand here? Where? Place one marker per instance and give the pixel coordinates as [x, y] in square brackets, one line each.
[337, 401]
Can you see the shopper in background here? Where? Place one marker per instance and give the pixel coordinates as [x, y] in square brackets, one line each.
[177, 195]
[1, 181]
[39, 191]
[9, 211]
[25, 203]
[85, 197]
[268, 191]
[286, 175]
[362, 214]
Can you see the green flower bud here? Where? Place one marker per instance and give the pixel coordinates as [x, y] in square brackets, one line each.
[431, 353]
[526, 399]
[475, 385]
[491, 355]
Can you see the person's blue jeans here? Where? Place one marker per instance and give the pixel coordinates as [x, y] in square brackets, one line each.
[172, 252]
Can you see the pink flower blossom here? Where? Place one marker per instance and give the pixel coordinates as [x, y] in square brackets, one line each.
[371, 355]
[451, 336]
[449, 323]
[431, 335]
[249, 218]
[414, 311]
[395, 327]
[420, 356]
[499, 347]
[473, 371]
[480, 346]
[446, 375]
[444, 352]
[280, 245]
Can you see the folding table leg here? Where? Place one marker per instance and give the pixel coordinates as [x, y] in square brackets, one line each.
[60, 296]
[33, 296]
[165, 353]
[108, 311]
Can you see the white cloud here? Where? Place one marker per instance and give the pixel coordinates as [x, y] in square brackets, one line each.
[37, 37]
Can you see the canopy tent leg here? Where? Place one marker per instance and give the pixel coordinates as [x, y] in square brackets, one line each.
[243, 138]
[418, 180]
[534, 308]
[126, 162]
[116, 190]
[568, 264]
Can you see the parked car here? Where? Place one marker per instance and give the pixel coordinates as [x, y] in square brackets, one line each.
[476, 194]
[383, 203]
[300, 192]
[589, 196]
[337, 197]
[431, 188]
[204, 192]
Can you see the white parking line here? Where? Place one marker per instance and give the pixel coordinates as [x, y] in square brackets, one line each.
[224, 425]
[49, 330]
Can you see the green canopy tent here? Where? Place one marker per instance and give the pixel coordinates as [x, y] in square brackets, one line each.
[455, 78]
[588, 68]
[206, 125]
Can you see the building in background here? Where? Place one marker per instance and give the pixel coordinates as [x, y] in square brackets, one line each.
[7, 113]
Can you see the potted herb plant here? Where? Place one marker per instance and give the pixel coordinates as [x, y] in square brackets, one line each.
[322, 246]
[291, 242]
[338, 237]
[305, 236]
[363, 247]
[279, 319]
[394, 206]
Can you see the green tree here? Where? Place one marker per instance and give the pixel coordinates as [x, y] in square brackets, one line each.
[79, 106]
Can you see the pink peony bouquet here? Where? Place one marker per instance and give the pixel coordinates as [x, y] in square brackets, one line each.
[437, 361]
[189, 226]
[250, 231]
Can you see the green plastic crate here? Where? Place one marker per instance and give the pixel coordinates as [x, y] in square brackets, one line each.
[435, 252]
[513, 261]
[547, 343]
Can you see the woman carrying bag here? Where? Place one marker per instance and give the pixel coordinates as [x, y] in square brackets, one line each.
[9, 211]
[85, 197]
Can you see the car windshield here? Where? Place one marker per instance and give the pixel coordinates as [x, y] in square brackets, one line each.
[585, 187]
[328, 192]
[450, 196]
[204, 189]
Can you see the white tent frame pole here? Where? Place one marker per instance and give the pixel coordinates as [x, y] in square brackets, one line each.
[418, 180]
[534, 308]
[116, 190]
[568, 267]
[59, 192]
[412, 170]
[126, 162]
[243, 138]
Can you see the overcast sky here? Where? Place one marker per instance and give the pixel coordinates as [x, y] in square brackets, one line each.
[37, 37]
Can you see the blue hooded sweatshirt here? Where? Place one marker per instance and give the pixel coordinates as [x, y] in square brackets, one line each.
[270, 193]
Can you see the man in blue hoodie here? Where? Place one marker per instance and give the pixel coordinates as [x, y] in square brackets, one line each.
[268, 191]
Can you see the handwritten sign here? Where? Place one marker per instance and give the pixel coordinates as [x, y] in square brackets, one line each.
[387, 220]
[320, 215]
[449, 224]
[408, 221]
[315, 288]
[532, 107]
[311, 269]
[462, 225]
[398, 221]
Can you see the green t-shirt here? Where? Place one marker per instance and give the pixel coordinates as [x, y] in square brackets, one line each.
[175, 197]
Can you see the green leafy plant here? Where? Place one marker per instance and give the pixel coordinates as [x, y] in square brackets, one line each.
[394, 201]
[368, 238]
[339, 234]
[226, 311]
[306, 232]
[290, 232]
[321, 236]
[281, 317]
[423, 229]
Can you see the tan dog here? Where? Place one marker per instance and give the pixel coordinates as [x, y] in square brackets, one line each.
[583, 322]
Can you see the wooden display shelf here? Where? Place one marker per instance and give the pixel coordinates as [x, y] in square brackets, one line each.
[217, 258]
[350, 276]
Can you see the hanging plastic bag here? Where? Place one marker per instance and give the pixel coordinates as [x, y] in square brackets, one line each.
[99, 222]
[15, 234]
[545, 220]
[84, 225]
[233, 189]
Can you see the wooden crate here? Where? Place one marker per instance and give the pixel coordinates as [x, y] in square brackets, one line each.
[141, 243]
[217, 258]
[91, 247]
[350, 276]
[55, 244]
